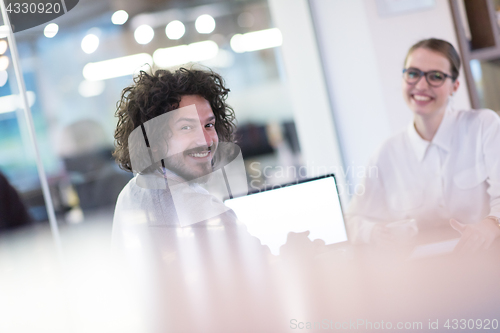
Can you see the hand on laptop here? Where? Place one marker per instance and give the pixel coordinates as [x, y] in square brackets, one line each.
[475, 237]
[298, 245]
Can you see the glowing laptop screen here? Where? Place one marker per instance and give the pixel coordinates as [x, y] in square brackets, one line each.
[312, 205]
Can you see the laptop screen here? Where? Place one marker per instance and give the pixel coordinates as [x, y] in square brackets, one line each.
[313, 206]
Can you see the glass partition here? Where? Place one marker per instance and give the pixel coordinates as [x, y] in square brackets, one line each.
[73, 79]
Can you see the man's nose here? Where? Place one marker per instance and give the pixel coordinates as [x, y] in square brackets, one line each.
[203, 138]
[208, 137]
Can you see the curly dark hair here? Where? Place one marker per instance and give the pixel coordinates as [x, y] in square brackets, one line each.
[153, 95]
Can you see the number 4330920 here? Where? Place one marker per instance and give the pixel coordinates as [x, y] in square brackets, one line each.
[478, 324]
[34, 8]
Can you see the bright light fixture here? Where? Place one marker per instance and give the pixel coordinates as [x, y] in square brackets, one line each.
[90, 43]
[3, 46]
[108, 69]
[11, 103]
[91, 88]
[178, 55]
[4, 31]
[171, 56]
[237, 43]
[202, 50]
[51, 30]
[119, 17]
[144, 34]
[175, 30]
[4, 76]
[4, 63]
[204, 24]
[257, 40]
[224, 59]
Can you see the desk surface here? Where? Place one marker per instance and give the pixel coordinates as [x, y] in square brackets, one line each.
[215, 277]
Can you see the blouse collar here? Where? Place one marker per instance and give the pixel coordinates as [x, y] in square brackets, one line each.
[442, 138]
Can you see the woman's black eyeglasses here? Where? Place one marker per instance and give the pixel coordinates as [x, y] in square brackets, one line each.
[433, 78]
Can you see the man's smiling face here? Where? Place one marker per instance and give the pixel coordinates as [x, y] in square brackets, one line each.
[192, 140]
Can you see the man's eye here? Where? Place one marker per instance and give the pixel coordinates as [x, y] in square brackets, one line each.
[210, 125]
[186, 128]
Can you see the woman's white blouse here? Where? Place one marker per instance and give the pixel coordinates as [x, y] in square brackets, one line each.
[456, 175]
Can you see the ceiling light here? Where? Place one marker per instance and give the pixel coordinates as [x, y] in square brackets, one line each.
[237, 43]
[144, 34]
[11, 103]
[51, 30]
[202, 50]
[91, 88]
[119, 17]
[175, 30]
[90, 43]
[3, 46]
[4, 31]
[224, 59]
[171, 56]
[4, 63]
[108, 69]
[178, 55]
[4, 76]
[257, 40]
[205, 24]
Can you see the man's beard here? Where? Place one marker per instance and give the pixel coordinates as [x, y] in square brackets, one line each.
[176, 164]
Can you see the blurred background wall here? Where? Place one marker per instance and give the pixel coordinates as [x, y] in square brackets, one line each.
[363, 51]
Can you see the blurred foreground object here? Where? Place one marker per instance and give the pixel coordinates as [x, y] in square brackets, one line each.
[13, 213]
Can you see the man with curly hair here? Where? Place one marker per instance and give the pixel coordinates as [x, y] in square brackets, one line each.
[154, 95]
[174, 130]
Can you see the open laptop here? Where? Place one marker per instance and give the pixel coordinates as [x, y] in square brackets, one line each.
[312, 205]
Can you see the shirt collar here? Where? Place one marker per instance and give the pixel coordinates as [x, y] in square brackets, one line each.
[444, 134]
[156, 179]
[172, 176]
[442, 139]
[419, 145]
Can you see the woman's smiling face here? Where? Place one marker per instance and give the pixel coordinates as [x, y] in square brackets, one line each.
[421, 98]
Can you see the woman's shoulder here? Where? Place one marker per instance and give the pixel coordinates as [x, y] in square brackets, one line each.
[480, 116]
[476, 121]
